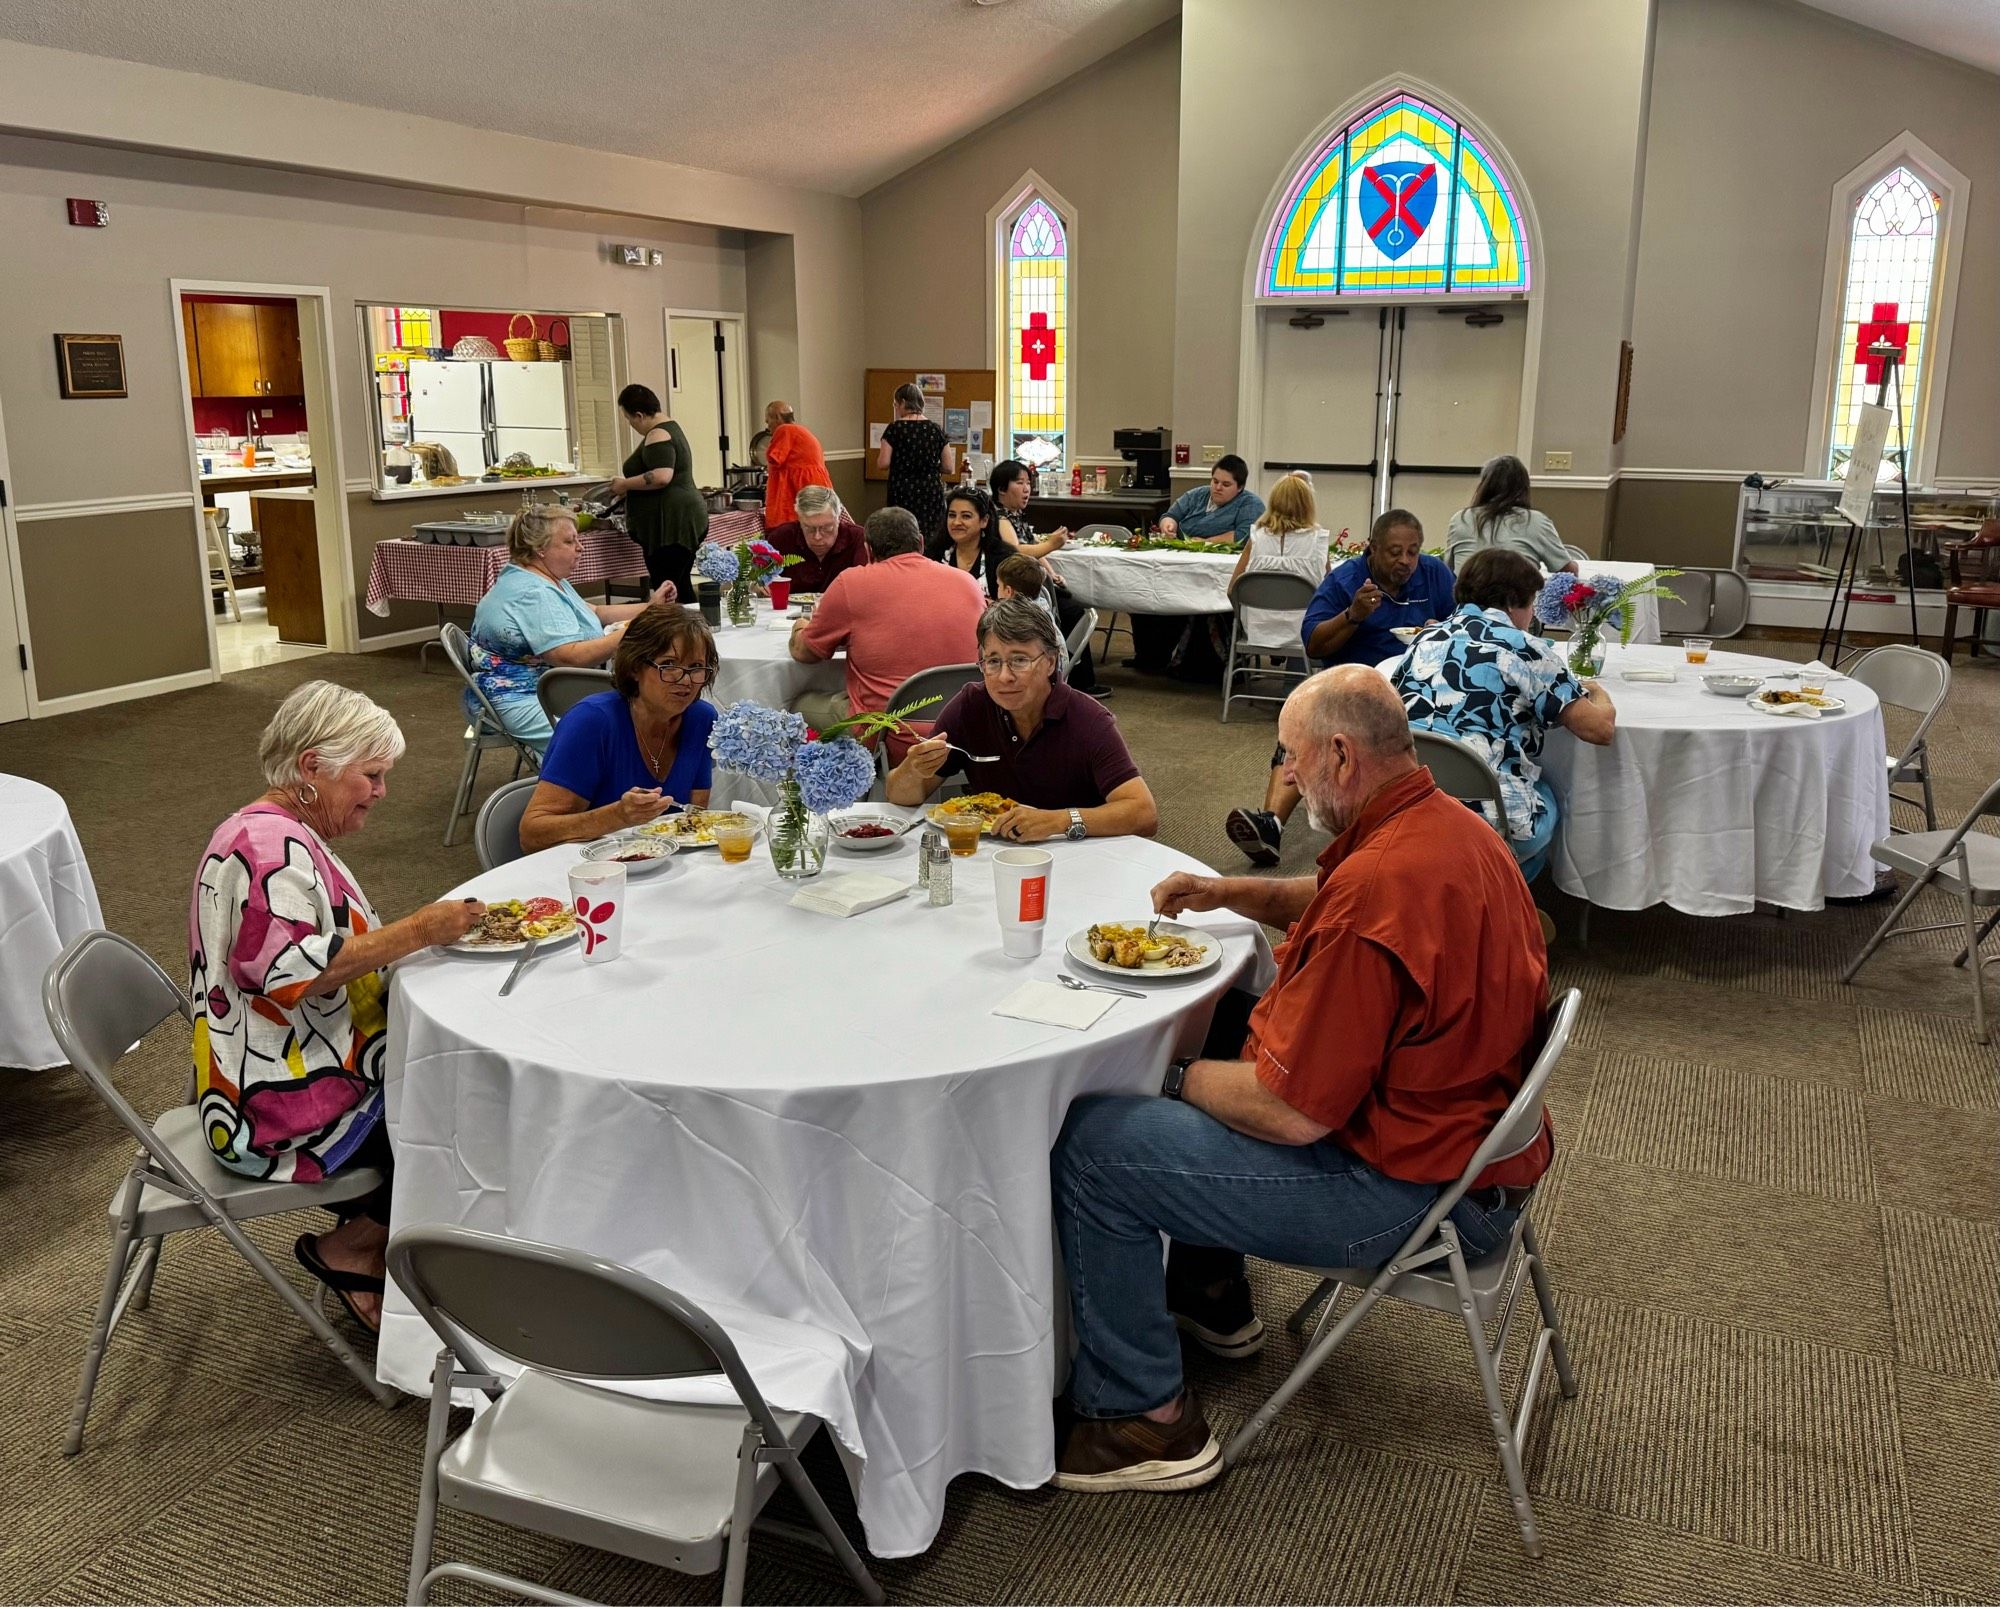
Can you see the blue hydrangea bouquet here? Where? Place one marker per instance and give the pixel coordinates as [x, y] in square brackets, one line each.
[815, 772]
[739, 569]
[1590, 605]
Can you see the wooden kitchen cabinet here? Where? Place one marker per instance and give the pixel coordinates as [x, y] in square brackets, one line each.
[241, 348]
[290, 537]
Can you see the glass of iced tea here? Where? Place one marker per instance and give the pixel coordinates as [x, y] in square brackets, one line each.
[962, 833]
[733, 839]
[1697, 649]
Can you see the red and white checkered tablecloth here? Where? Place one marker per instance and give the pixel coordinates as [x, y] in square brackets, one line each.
[408, 571]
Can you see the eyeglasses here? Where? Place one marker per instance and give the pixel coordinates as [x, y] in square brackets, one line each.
[1013, 664]
[681, 674]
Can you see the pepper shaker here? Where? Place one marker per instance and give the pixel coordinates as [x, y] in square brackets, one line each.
[924, 859]
[940, 882]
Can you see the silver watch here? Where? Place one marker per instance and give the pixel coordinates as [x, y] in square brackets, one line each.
[1077, 830]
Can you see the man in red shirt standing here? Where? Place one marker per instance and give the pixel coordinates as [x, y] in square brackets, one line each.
[1409, 993]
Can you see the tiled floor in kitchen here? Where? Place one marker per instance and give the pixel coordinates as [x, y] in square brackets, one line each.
[254, 642]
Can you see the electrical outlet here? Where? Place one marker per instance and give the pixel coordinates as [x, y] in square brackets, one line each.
[1212, 454]
[1555, 462]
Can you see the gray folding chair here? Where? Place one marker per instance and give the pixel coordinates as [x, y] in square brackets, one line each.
[1080, 634]
[486, 732]
[102, 995]
[1729, 608]
[1111, 625]
[1461, 772]
[560, 689]
[1264, 589]
[1706, 602]
[1964, 863]
[1916, 679]
[674, 1485]
[497, 834]
[1430, 1269]
[942, 682]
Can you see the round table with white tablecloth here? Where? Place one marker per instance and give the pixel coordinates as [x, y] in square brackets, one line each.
[757, 664]
[46, 898]
[1711, 806]
[817, 1129]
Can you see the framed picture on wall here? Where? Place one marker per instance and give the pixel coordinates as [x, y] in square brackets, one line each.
[90, 366]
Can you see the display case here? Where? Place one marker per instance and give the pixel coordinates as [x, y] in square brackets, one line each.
[1792, 531]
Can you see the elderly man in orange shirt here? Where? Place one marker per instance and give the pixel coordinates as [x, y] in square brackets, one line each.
[1402, 1022]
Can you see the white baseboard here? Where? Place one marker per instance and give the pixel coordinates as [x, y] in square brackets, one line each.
[375, 644]
[44, 707]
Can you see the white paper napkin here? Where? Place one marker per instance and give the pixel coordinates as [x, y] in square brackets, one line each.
[1643, 672]
[1797, 711]
[842, 896]
[1053, 1006]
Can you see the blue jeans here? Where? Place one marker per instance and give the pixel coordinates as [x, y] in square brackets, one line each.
[1532, 852]
[1127, 1170]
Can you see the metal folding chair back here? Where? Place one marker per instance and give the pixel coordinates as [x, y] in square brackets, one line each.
[560, 689]
[1692, 605]
[1267, 588]
[487, 731]
[1114, 532]
[1729, 607]
[1080, 634]
[1963, 863]
[102, 996]
[943, 682]
[1461, 772]
[1430, 1268]
[1916, 679]
[497, 834]
[673, 1484]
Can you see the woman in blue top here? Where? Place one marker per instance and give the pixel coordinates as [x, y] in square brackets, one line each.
[531, 617]
[1222, 512]
[624, 757]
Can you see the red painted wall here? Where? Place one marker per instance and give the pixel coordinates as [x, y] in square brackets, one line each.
[454, 326]
[288, 414]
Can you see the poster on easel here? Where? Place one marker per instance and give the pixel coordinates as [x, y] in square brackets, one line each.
[1864, 464]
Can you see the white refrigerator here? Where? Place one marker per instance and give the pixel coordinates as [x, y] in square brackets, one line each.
[483, 412]
[448, 406]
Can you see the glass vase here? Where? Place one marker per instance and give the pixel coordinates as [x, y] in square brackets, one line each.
[742, 602]
[1587, 649]
[798, 837]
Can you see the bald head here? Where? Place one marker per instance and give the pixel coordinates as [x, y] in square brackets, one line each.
[1345, 736]
[779, 413]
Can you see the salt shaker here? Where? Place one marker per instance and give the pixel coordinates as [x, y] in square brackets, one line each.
[924, 859]
[940, 882]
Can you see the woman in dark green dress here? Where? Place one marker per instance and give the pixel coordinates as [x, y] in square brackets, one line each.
[664, 510]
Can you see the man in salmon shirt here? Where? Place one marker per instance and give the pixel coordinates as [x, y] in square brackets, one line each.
[1409, 994]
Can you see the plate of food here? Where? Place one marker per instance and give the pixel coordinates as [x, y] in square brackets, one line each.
[1774, 698]
[985, 807]
[509, 923]
[694, 828]
[863, 831]
[640, 856]
[1121, 948]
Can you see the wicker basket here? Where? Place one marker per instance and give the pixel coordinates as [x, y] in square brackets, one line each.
[553, 350]
[519, 349]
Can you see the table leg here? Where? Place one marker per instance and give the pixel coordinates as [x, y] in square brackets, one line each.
[424, 651]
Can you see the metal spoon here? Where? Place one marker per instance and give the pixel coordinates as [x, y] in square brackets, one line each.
[1075, 986]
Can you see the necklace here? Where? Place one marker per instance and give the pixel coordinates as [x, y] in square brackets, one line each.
[657, 766]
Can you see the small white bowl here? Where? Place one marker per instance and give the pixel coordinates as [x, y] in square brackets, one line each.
[1729, 685]
[843, 822]
[640, 856]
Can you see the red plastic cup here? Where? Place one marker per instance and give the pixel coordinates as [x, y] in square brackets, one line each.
[781, 593]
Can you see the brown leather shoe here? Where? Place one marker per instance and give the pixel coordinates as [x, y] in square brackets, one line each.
[1135, 1453]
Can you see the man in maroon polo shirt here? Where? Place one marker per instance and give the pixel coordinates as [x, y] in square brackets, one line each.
[1410, 989]
[825, 541]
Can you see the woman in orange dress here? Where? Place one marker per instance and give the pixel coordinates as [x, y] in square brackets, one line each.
[795, 462]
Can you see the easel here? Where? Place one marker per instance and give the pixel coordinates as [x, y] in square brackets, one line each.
[1891, 357]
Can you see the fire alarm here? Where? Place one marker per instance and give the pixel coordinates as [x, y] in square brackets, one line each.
[89, 214]
[1181, 453]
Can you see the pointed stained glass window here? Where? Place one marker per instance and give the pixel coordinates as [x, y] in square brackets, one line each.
[1886, 294]
[1035, 353]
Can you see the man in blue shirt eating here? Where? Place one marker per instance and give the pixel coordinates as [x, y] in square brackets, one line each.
[1395, 582]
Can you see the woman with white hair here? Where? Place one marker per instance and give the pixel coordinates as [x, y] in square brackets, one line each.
[532, 617]
[286, 963]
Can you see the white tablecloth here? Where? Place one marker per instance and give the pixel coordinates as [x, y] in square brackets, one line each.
[1705, 804]
[816, 1129]
[757, 663]
[1165, 582]
[46, 898]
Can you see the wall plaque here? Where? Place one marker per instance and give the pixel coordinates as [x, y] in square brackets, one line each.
[91, 365]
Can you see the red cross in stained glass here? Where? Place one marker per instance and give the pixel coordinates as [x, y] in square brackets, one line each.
[1038, 346]
[1882, 326]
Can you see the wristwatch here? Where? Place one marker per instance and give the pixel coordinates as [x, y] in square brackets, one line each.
[1170, 1087]
[1077, 830]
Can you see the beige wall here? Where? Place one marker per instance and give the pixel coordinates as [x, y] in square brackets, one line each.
[1106, 141]
[1760, 108]
[1261, 76]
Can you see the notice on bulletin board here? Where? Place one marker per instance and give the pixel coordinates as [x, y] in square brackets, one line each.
[982, 416]
[957, 422]
[931, 384]
[875, 434]
[934, 410]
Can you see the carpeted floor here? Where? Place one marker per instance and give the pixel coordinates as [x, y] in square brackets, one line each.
[1771, 1230]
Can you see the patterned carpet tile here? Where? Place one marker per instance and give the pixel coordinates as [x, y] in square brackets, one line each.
[1951, 1458]
[1935, 1157]
[1683, 1019]
[1944, 1289]
[1932, 1059]
[1775, 1132]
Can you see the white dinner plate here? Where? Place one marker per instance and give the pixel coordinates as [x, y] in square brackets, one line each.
[689, 844]
[1078, 949]
[865, 845]
[462, 947]
[613, 848]
[1825, 705]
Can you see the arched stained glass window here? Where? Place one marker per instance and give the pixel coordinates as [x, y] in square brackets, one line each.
[1402, 201]
[1034, 354]
[1886, 294]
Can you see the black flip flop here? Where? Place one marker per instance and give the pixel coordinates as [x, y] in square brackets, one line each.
[306, 1251]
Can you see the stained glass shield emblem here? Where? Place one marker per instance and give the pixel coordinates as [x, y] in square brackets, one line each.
[1398, 200]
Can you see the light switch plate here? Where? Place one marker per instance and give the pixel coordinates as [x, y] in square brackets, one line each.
[1211, 454]
[1555, 462]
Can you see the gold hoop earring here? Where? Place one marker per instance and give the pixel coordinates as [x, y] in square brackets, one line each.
[308, 793]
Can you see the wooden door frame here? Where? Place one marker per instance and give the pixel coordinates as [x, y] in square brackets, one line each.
[22, 663]
[336, 561]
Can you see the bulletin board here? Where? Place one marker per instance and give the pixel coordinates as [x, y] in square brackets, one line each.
[963, 387]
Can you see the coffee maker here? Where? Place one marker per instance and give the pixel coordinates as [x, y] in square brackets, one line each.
[1147, 451]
